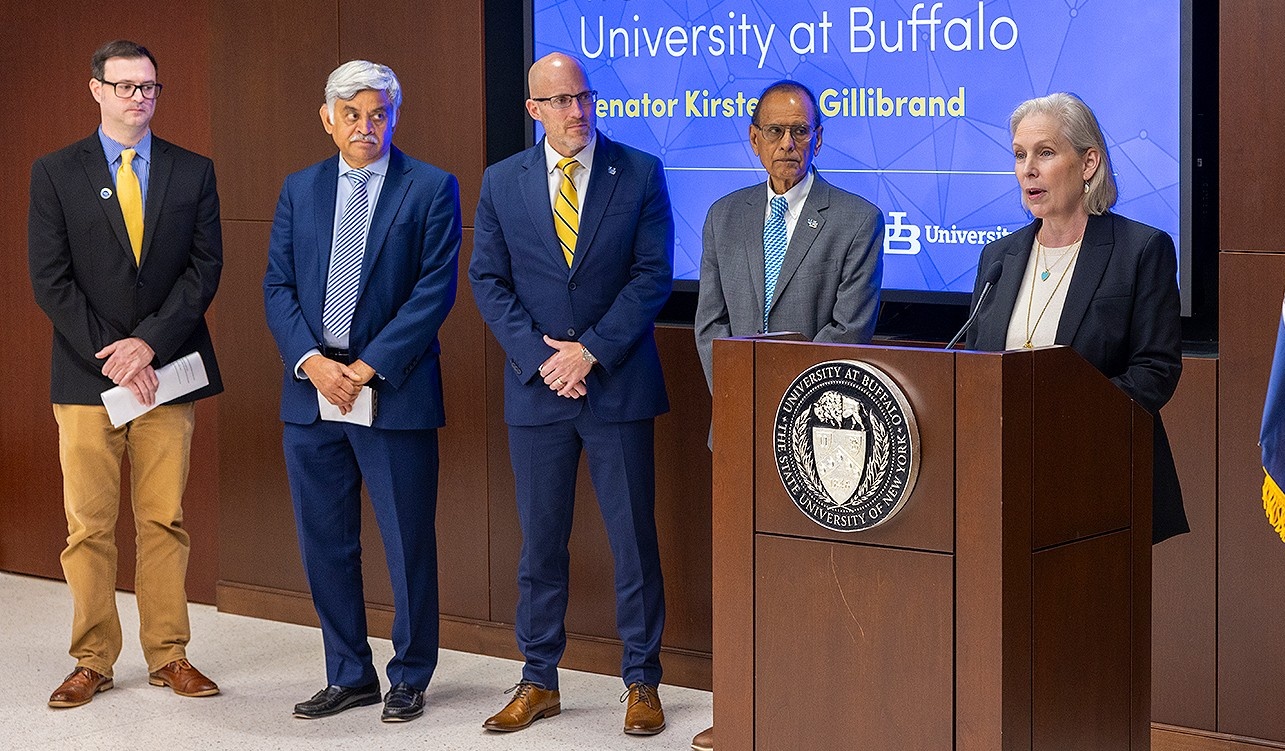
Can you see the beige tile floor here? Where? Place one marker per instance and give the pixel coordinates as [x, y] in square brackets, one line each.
[264, 668]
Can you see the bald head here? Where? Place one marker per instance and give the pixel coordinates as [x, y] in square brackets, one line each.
[569, 122]
[551, 71]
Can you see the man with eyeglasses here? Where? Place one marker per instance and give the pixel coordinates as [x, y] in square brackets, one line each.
[125, 252]
[572, 261]
[361, 274]
[797, 255]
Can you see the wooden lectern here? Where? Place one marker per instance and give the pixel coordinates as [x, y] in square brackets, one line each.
[1008, 604]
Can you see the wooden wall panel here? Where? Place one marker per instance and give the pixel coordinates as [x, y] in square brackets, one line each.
[463, 511]
[1251, 125]
[49, 47]
[1184, 568]
[256, 517]
[437, 55]
[1251, 557]
[268, 64]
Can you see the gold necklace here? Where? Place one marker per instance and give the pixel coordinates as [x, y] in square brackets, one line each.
[1039, 254]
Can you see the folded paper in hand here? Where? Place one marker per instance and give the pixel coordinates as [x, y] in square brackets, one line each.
[362, 412]
[181, 377]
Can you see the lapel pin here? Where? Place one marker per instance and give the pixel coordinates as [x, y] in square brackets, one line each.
[812, 223]
[105, 193]
[611, 170]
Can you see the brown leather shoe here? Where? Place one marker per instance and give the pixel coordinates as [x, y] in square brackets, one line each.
[644, 715]
[529, 703]
[184, 679]
[704, 740]
[79, 688]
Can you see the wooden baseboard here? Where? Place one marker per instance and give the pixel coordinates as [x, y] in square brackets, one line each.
[1174, 738]
[590, 653]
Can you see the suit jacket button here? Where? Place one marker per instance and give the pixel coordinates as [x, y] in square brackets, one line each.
[139, 284]
[571, 332]
[571, 286]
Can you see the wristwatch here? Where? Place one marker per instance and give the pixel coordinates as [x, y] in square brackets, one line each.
[587, 355]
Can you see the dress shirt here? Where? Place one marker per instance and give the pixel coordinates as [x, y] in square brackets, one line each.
[1026, 311]
[343, 190]
[796, 197]
[581, 177]
[142, 164]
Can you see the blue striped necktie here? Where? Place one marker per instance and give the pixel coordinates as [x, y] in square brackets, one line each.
[774, 243]
[345, 259]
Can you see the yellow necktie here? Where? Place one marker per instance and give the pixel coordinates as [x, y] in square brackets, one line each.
[130, 194]
[566, 210]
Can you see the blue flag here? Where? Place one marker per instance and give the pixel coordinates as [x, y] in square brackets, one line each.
[1272, 437]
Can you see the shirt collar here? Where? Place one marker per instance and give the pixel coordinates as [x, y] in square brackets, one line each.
[584, 156]
[795, 196]
[378, 167]
[112, 148]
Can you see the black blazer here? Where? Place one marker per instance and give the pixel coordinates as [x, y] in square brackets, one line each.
[83, 270]
[1121, 314]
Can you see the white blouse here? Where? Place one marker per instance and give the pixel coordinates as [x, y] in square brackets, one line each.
[1042, 296]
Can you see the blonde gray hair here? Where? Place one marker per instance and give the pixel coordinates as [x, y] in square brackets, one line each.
[358, 75]
[1080, 127]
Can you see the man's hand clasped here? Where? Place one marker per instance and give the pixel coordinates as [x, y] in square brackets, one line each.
[339, 383]
[565, 370]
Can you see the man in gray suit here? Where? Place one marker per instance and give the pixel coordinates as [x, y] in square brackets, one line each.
[795, 255]
[825, 284]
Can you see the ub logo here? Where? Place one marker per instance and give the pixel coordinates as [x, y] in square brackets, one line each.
[839, 445]
[900, 237]
[847, 447]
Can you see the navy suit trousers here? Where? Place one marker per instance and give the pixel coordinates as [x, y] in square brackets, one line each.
[622, 465]
[326, 463]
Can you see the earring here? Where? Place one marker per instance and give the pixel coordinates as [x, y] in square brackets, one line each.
[1086, 186]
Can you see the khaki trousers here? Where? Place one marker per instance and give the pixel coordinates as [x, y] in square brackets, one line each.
[90, 450]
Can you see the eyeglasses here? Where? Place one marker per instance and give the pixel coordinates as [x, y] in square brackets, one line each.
[773, 133]
[562, 101]
[126, 90]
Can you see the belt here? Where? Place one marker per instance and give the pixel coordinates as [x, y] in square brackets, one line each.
[339, 355]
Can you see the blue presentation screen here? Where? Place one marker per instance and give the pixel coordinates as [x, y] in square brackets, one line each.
[915, 100]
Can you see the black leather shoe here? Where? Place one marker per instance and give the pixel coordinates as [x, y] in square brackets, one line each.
[403, 702]
[335, 699]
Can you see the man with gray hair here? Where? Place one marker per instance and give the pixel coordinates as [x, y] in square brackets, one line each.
[361, 274]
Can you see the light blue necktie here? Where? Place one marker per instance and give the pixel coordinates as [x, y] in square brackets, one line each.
[345, 261]
[774, 242]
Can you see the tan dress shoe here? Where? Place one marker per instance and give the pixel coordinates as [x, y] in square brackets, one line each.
[643, 713]
[184, 679]
[704, 740]
[529, 703]
[79, 688]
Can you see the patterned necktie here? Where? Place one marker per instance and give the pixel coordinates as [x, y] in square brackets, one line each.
[774, 243]
[566, 210]
[345, 261]
[130, 194]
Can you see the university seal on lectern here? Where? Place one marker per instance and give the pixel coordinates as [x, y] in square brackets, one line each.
[846, 444]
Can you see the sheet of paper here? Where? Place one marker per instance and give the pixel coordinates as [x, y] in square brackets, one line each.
[362, 413]
[183, 376]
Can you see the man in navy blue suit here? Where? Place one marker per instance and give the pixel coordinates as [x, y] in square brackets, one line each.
[572, 260]
[361, 274]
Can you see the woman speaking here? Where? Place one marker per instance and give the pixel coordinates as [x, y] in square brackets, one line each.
[1082, 276]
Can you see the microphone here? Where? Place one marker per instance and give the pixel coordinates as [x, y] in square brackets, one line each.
[992, 276]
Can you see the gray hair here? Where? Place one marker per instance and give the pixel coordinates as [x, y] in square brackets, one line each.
[355, 76]
[1081, 128]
